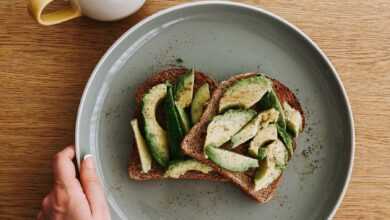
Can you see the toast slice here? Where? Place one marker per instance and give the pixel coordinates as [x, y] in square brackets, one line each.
[192, 144]
[157, 172]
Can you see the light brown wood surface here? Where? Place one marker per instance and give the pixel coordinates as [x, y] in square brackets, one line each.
[43, 71]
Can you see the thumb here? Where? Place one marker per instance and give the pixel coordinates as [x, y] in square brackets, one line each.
[92, 187]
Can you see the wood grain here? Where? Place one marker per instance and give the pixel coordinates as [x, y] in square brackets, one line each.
[43, 71]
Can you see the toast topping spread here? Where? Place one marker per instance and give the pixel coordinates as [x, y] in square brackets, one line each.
[250, 111]
[162, 141]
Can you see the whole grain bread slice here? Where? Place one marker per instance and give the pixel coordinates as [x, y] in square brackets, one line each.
[157, 172]
[192, 144]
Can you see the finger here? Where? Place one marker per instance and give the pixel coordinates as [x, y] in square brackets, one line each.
[92, 186]
[40, 216]
[46, 202]
[64, 168]
[46, 206]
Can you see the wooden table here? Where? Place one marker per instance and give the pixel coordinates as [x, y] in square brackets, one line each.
[43, 71]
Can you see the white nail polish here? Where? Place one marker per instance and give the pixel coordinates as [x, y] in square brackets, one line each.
[87, 155]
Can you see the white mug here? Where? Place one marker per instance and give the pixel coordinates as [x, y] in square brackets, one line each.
[102, 10]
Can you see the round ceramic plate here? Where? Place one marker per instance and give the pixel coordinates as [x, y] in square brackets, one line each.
[221, 39]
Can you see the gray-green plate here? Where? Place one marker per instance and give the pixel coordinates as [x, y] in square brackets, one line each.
[219, 38]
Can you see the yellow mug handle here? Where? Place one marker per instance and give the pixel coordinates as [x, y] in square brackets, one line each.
[36, 7]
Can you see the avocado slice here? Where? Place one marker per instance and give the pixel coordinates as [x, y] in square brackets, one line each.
[286, 139]
[178, 168]
[269, 116]
[223, 127]
[272, 165]
[174, 127]
[184, 89]
[201, 97]
[263, 151]
[146, 159]
[230, 160]
[262, 137]
[155, 136]
[266, 174]
[185, 121]
[279, 153]
[271, 100]
[245, 92]
[251, 129]
[293, 120]
[247, 132]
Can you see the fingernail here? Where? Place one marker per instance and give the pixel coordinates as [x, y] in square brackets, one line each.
[88, 161]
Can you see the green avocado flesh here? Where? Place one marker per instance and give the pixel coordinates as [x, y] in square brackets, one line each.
[263, 136]
[230, 160]
[155, 136]
[143, 152]
[185, 121]
[247, 132]
[265, 175]
[279, 153]
[179, 168]
[262, 120]
[223, 127]
[184, 89]
[174, 126]
[286, 138]
[271, 100]
[272, 165]
[269, 116]
[245, 92]
[201, 97]
[293, 119]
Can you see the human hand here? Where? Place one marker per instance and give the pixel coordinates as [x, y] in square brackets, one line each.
[69, 199]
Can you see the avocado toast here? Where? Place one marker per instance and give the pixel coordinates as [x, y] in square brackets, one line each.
[166, 105]
[247, 133]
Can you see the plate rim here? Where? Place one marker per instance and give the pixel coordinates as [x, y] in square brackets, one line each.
[256, 9]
